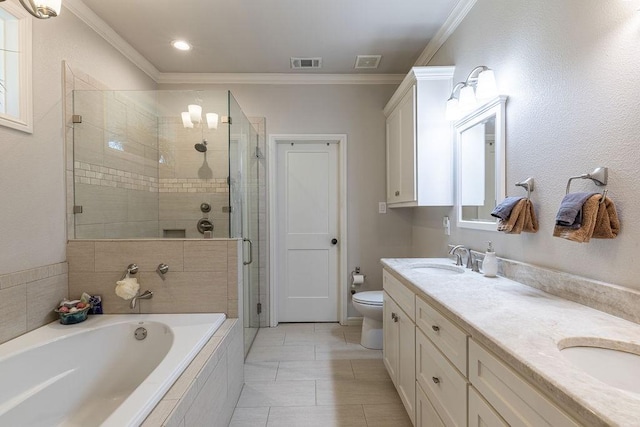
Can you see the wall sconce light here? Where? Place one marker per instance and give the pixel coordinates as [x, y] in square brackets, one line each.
[479, 86]
[193, 116]
[212, 120]
[42, 9]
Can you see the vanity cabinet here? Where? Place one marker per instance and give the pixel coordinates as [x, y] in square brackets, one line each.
[419, 140]
[399, 340]
[445, 378]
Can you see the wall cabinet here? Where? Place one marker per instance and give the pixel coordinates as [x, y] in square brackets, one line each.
[419, 140]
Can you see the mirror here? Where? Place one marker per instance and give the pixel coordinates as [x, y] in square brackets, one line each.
[480, 164]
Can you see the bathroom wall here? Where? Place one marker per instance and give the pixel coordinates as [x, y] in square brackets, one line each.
[570, 71]
[355, 110]
[33, 275]
[203, 274]
[32, 218]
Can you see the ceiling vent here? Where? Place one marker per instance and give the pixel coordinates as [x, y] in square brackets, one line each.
[306, 63]
[368, 61]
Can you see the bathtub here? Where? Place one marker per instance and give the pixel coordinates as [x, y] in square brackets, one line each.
[97, 372]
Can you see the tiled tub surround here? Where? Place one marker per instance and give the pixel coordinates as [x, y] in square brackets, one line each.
[203, 274]
[27, 298]
[207, 391]
[523, 326]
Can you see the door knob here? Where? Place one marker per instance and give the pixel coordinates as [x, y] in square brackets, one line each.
[334, 241]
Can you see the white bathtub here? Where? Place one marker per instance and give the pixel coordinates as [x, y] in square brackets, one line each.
[96, 372]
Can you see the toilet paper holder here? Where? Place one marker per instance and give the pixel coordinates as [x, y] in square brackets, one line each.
[356, 279]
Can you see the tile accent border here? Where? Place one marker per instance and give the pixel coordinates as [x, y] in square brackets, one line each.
[86, 173]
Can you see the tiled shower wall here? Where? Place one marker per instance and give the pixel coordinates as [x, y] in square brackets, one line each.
[189, 178]
[27, 298]
[204, 275]
[116, 159]
[138, 174]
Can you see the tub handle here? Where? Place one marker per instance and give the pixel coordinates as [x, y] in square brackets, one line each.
[131, 269]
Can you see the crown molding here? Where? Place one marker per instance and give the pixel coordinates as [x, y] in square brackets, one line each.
[456, 16]
[279, 78]
[86, 15]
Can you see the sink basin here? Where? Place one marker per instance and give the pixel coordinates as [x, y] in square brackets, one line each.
[617, 368]
[438, 268]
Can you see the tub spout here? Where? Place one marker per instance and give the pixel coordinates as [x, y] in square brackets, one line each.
[145, 295]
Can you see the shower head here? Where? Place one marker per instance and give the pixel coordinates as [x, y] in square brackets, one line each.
[201, 146]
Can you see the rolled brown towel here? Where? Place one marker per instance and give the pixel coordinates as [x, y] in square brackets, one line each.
[584, 233]
[522, 218]
[607, 224]
[515, 215]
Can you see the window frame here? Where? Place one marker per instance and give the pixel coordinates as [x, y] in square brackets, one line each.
[24, 121]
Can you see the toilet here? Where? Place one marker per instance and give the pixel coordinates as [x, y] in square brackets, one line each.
[369, 304]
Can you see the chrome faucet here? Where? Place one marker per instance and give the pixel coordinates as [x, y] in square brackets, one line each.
[145, 295]
[454, 251]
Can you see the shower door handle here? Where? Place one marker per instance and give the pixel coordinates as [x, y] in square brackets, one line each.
[250, 251]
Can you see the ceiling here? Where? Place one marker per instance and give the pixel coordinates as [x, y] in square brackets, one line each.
[260, 36]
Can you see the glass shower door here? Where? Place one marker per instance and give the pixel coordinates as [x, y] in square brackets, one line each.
[243, 200]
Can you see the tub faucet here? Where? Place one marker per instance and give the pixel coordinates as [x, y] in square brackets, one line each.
[145, 295]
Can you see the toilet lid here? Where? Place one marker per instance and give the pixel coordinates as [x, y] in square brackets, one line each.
[369, 297]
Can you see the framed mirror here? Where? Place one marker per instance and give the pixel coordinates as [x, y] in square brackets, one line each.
[480, 168]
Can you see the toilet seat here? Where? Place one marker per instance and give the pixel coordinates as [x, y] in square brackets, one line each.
[373, 298]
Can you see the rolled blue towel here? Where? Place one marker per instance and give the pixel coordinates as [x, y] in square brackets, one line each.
[570, 212]
[504, 208]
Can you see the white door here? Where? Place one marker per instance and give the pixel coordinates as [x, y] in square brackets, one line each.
[307, 224]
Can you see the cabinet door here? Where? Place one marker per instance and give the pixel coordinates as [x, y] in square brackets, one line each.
[481, 414]
[393, 157]
[407, 363]
[391, 336]
[401, 151]
[426, 415]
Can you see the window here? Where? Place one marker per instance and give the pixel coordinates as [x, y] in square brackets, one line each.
[15, 68]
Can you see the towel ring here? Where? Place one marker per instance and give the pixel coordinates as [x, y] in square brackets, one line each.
[599, 176]
[527, 184]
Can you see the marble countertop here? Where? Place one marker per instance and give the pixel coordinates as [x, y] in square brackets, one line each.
[523, 326]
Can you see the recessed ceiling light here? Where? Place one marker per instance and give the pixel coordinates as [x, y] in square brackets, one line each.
[181, 45]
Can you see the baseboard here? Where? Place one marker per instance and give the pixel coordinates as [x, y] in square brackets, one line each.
[353, 321]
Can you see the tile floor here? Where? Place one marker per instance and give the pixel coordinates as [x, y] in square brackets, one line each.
[308, 375]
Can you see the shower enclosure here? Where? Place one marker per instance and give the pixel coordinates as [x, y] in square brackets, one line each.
[170, 164]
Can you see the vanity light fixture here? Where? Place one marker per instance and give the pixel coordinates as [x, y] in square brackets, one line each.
[480, 85]
[181, 45]
[42, 9]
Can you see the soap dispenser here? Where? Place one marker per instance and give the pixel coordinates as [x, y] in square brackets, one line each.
[490, 262]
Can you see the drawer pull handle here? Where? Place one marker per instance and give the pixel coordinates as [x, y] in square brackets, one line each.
[436, 380]
[397, 193]
[394, 317]
[435, 328]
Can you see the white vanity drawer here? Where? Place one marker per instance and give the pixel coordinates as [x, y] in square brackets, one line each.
[481, 414]
[449, 338]
[518, 402]
[402, 295]
[441, 382]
